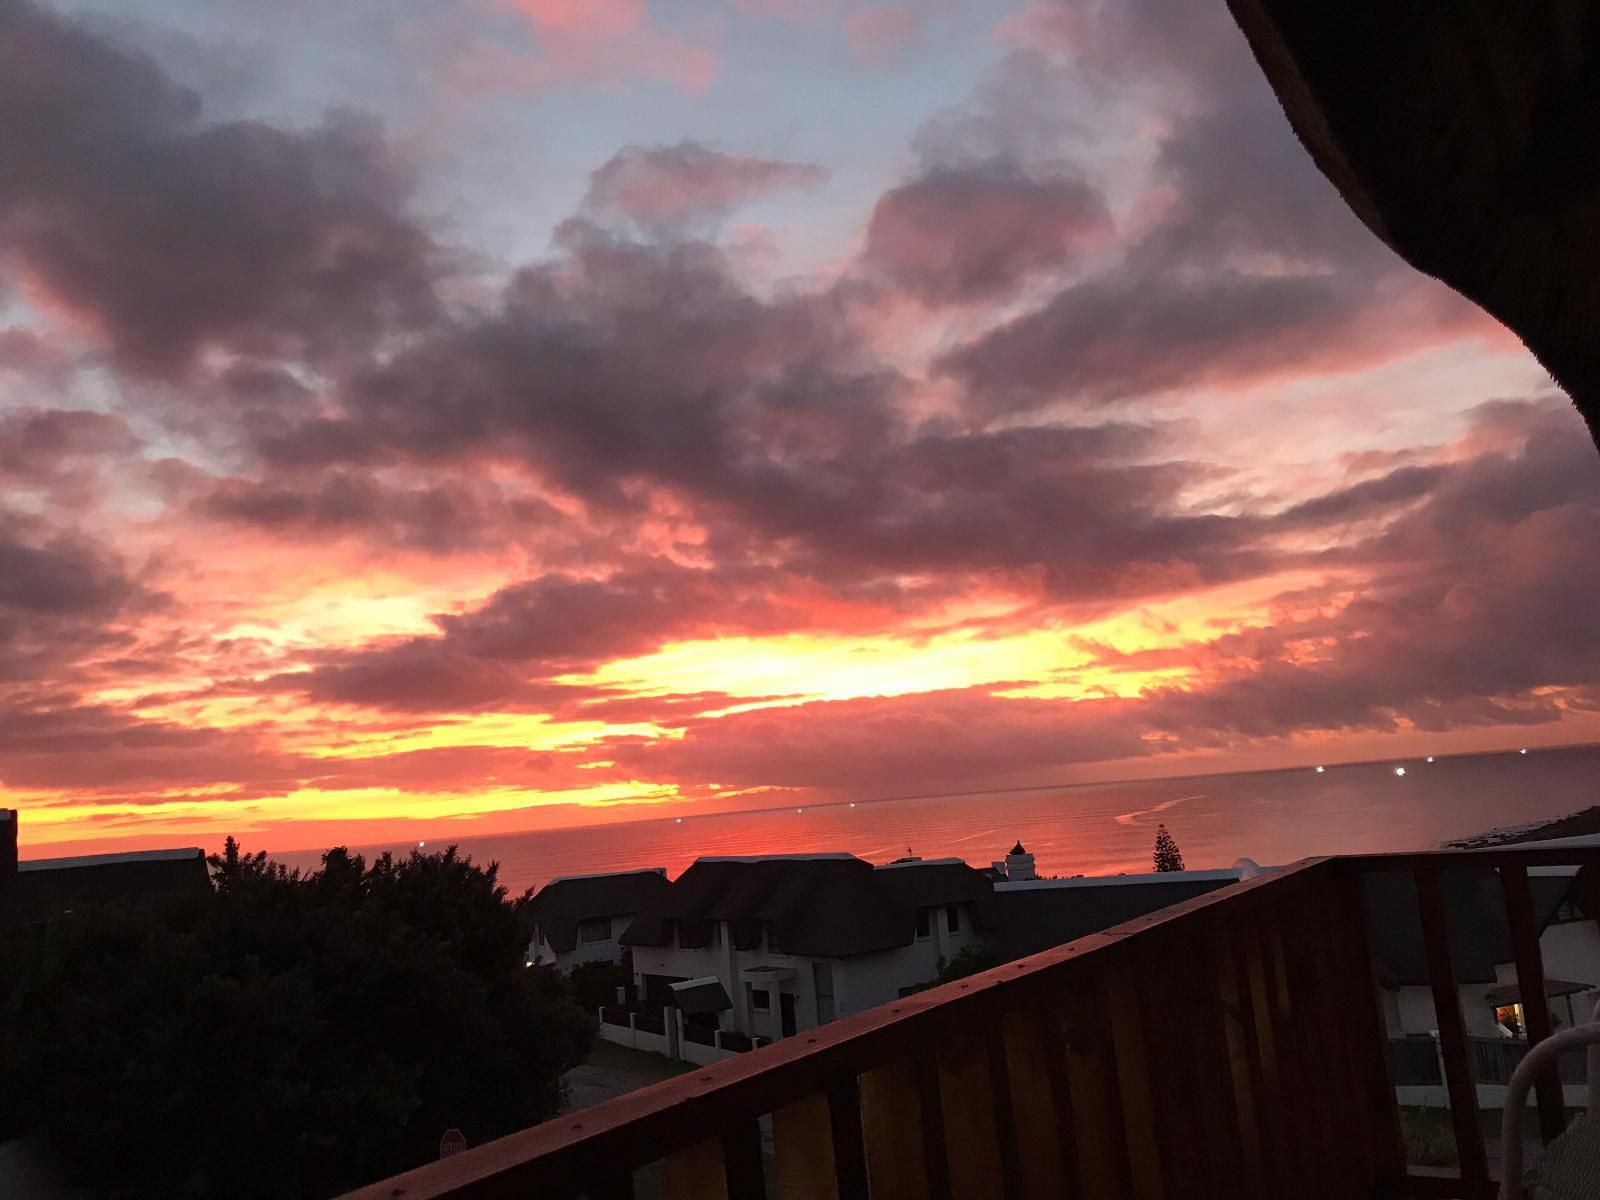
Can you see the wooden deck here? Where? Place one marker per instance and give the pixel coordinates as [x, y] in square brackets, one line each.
[1233, 1045]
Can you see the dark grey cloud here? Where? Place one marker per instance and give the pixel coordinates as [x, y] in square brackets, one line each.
[1245, 265]
[508, 651]
[63, 597]
[1108, 339]
[972, 233]
[172, 233]
[887, 744]
[663, 188]
[446, 517]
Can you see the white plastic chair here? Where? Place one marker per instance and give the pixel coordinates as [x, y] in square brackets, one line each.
[1570, 1168]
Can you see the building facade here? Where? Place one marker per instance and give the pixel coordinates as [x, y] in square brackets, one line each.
[797, 941]
[580, 918]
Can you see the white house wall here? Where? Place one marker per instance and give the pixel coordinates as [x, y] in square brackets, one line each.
[1571, 951]
[1414, 1008]
[609, 950]
[860, 981]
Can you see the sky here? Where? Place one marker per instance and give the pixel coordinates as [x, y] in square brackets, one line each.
[431, 418]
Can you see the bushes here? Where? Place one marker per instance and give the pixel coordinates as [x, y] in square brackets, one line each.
[595, 984]
[295, 1036]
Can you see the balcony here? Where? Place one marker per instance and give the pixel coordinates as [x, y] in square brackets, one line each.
[1233, 1045]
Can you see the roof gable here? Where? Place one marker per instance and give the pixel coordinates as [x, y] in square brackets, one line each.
[826, 906]
[563, 902]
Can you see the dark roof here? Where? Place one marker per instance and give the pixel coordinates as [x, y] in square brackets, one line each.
[47, 887]
[1017, 849]
[828, 906]
[562, 903]
[1035, 918]
[940, 882]
[700, 997]
[1476, 920]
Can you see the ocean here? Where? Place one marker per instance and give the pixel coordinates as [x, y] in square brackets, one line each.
[1272, 817]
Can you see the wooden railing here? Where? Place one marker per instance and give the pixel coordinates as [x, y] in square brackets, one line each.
[1232, 1045]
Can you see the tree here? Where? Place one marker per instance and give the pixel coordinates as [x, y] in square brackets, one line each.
[595, 984]
[1168, 856]
[295, 1035]
[971, 960]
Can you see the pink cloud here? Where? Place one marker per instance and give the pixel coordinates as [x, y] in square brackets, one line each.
[583, 41]
[970, 234]
[666, 185]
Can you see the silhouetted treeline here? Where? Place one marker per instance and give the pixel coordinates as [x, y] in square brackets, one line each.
[294, 1035]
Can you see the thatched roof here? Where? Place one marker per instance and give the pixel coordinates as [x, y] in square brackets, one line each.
[1466, 135]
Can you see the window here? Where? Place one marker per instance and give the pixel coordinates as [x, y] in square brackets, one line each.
[822, 978]
[594, 929]
[922, 923]
[761, 1000]
[952, 917]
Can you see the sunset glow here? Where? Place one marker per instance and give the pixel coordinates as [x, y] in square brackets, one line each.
[427, 419]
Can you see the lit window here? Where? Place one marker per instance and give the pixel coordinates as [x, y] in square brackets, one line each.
[595, 929]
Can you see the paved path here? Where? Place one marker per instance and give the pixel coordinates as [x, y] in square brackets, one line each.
[612, 1070]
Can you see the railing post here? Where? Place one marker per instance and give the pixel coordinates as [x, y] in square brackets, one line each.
[1462, 1090]
[716, 1042]
[633, 1029]
[1530, 982]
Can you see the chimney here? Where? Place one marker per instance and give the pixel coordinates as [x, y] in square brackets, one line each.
[8, 846]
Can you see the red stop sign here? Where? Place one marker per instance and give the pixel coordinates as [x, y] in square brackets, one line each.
[453, 1142]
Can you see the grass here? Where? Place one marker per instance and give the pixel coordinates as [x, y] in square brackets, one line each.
[1430, 1139]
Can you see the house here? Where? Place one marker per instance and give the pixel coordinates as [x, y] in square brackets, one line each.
[793, 942]
[579, 918]
[44, 888]
[1036, 914]
[1267, 1071]
[1481, 950]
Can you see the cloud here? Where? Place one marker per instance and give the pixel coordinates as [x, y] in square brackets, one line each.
[589, 41]
[447, 517]
[510, 650]
[664, 187]
[982, 424]
[168, 234]
[973, 233]
[1111, 338]
[887, 744]
[64, 597]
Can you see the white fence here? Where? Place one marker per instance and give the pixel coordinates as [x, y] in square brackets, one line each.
[688, 1045]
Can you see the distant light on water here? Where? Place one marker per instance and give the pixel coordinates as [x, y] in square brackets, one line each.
[1524, 750]
[799, 810]
[420, 845]
[1430, 758]
[1320, 770]
[680, 820]
[1399, 770]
